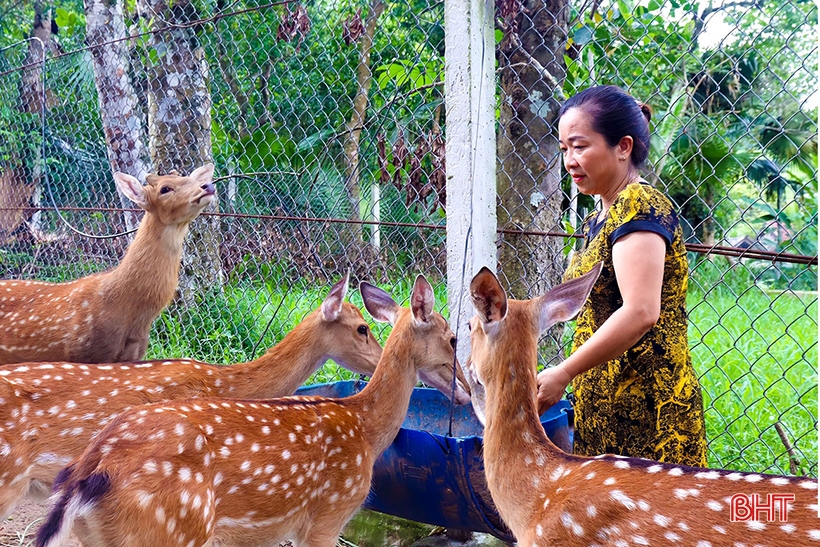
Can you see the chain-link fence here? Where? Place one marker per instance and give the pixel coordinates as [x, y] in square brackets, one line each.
[326, 123]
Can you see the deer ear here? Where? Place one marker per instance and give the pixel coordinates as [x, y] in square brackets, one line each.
[378, 303]
[489, 299]
[332, 304]
[564, 301]
[422, 300]
[131, 188]
[204, 174]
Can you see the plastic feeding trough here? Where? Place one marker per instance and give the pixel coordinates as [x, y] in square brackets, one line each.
[433, 471]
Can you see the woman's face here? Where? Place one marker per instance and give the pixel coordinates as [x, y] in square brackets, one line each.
[595, 167]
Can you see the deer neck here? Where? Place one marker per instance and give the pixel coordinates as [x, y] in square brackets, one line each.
[383, 403]
[150, 267]
[282, 368]
[516, 448]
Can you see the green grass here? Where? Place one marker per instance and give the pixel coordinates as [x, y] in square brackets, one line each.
[756, 354]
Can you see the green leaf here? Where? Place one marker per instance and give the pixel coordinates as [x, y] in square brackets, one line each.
[582, 35]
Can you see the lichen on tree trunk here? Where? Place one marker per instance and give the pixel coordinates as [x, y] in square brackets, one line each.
[531, 63]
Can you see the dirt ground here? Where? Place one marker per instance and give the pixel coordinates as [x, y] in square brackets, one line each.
[19, 529]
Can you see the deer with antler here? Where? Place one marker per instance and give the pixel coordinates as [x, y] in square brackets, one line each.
[106, 317]
[548, 497]
[240, 472]
[49, 412]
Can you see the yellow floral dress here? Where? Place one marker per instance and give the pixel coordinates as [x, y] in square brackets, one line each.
[647, 403]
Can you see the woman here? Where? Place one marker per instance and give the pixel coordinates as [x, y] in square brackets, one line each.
[636, 393]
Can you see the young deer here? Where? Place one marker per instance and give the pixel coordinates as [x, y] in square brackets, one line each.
[550, 498]
[106, 317]
[234, 472]
[50, 412]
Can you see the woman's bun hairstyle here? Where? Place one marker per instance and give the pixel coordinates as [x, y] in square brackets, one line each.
[615, 114]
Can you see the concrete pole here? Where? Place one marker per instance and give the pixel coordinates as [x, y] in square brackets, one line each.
[469, 81]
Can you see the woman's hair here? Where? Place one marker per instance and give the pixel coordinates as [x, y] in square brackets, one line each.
[615, 114]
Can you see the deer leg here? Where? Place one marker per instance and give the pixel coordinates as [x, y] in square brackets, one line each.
[14, 485]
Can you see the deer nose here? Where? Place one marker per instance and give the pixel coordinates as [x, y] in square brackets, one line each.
[209, 188]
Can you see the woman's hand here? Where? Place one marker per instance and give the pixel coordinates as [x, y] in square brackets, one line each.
[552, 383]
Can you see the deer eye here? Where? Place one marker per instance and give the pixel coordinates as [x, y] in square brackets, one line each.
[362, 329]
[164, 189]
[453, 342]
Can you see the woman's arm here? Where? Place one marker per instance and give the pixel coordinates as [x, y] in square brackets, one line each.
[638, 259]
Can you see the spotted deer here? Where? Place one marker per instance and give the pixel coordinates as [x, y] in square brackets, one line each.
[233, 472]
[106, 317]
[548, 497]
[49, 412]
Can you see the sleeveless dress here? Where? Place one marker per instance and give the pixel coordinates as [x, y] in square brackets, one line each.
[646, 403]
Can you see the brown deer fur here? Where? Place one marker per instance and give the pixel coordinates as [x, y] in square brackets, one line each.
[238, 472]
[550, 498]
[106, 317]
[49, 412]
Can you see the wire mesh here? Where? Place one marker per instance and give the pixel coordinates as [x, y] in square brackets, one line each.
[326, 123]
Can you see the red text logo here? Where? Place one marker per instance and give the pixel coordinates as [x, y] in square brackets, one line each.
[753, 507]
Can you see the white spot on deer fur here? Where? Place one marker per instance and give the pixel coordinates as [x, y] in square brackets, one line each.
[590, 475]
[676, 471]
[682, 493]
[285, 454]
[809, 485]
[539, 530]
[756, 525]
[184, 474]
[672, 536]
[610, 481]
[654, 468]
[592, 511]
[224, 452]
[661, 520]
[620, 464]
[144, 498]
[160, 515]
[570, 524]
[734, 476]
[707, 475]
[623, 499]
[753, 478]
[640, 540]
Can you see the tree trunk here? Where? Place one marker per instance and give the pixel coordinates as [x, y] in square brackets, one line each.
[21, 174]
[179, 122]
[531, 63]
[119, 106]
[364, 78]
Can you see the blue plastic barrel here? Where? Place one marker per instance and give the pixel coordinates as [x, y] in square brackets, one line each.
[433, 472]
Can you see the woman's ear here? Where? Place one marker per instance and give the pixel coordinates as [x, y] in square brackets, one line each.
[625, 147]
